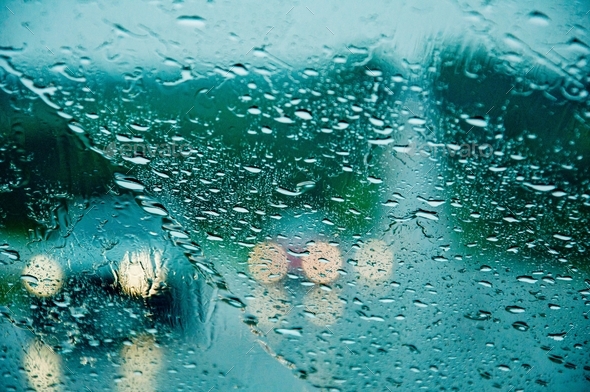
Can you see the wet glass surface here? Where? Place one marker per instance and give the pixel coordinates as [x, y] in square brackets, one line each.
[211, 196]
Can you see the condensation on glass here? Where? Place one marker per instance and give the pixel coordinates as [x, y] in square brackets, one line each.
[205, 196]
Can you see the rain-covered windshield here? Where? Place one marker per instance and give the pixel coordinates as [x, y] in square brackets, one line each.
[309, 196]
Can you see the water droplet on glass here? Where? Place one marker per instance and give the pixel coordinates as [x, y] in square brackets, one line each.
[514, 309]
[477, 122]
[76, 127]
[191, 21]
[540, 187]
[289, 332]
[416, 121]
[526, 279]
[128, 182]
[303, 114]
[538, 18]
[520, 326]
